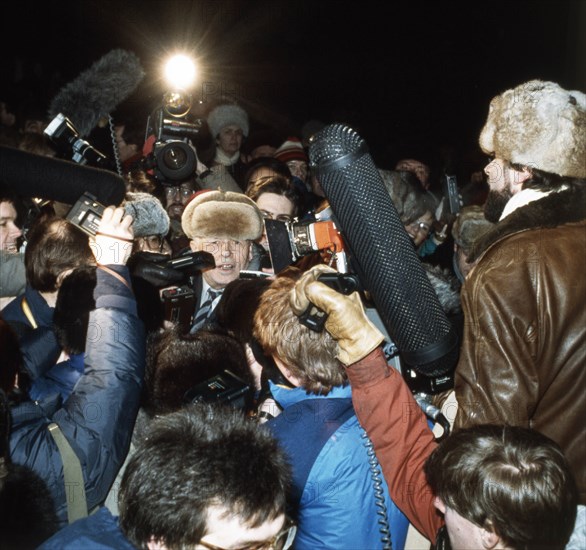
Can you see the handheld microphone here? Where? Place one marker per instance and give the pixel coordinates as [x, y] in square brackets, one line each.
[97, 91]
[383, 254]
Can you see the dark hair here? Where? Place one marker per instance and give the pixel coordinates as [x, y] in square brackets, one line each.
[176, 362]
[279, 185]
[309, 355]
[75, 301]
[26, 508]
[266, 162]
[513, 481]
[195, 458]
[545, 181]
[12, 360]
[54, 246]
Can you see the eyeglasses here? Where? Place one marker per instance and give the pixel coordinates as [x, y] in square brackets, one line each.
[420, 226]
[185, 192]
[281, 541]
[279, 217]
[154, 242]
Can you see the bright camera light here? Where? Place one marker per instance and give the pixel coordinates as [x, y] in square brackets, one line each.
[180, 71]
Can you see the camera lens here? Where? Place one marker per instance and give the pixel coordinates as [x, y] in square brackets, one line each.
[176, 160]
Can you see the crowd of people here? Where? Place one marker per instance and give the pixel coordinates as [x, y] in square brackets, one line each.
[163, 386]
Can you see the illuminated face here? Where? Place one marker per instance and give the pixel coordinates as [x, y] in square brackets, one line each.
[228, 531]
[176, 198]
[231, 256]
[9, 232]
[298, 168]
[230, 139]
[420, 228]
[274, 207]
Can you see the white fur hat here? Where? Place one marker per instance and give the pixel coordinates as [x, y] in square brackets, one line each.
[222, 215]
[225, 115]
[540, 125]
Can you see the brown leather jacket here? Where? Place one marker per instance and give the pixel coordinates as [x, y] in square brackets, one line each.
[523, 357]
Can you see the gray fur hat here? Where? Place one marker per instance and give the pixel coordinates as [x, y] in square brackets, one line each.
[225, 115]
[222, 215]
[540, 125]
[150, 217]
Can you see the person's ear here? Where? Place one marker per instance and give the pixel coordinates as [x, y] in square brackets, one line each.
[194, 245]
[287, 373]
[489, 537]
[519, 178]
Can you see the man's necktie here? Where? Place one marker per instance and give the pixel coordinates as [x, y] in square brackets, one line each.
[204, 311]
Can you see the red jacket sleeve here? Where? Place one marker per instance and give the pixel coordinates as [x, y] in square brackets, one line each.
[400, 434]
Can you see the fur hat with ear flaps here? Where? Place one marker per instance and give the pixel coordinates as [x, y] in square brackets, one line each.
[222, 215]
[540, 125]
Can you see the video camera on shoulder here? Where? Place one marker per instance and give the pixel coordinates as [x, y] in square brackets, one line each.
[173, 157]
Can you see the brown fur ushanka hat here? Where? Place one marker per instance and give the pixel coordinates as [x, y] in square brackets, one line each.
[540, 125]
[222, 215]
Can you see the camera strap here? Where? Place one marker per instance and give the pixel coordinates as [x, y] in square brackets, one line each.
[72, 475]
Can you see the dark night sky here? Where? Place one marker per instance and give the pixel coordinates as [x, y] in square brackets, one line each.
[409, 77]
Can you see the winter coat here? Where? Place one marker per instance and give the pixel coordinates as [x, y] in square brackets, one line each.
[96, 532]
[399, 431]
[333, 486]
[97, 418]
[524, 350]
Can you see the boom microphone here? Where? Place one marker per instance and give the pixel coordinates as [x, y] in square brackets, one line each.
[387, 262]
[97, 91]
[30, 175]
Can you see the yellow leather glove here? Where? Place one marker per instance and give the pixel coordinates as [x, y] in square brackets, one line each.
[347, 322]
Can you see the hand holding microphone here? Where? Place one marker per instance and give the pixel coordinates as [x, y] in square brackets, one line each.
[347, 321]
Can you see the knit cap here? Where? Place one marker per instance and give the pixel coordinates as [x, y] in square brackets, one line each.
[291, 149]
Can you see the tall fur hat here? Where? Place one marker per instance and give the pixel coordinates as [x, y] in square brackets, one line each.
[150, 217]
[225, 115]
[223, 215]
[540, 125]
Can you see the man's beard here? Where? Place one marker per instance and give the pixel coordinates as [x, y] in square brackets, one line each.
[495, 204]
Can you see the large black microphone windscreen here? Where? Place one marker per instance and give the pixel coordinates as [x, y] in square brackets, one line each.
[30, 175]
[388, 264]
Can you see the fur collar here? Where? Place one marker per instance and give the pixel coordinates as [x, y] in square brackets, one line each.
[556, 209]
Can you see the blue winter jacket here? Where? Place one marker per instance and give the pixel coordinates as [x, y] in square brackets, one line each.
[100, 531]
[98, 417]
[333, 496]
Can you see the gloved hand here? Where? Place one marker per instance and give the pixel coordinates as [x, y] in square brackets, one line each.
[347, 322]
[150, 266]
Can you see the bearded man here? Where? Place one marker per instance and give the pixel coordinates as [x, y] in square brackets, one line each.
[524, 346]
